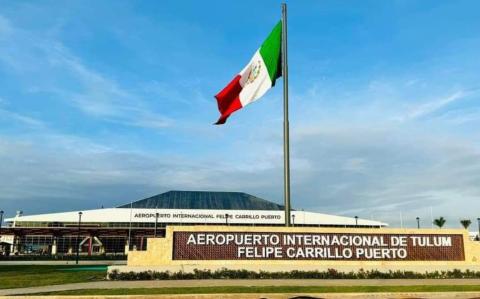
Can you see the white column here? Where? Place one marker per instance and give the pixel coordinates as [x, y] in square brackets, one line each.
[54, 246]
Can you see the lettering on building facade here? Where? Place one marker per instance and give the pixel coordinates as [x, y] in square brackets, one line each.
[317, 246]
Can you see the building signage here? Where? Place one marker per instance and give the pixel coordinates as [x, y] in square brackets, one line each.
[317, 246]
[206, 216]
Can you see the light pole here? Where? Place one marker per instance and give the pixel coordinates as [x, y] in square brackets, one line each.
[356, 221]
[478, 220]
[293, 220]
[418, 222]
[78, 236]
[226, 218]
[156, 222]
[1, 221]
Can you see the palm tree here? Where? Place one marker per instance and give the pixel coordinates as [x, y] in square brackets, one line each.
[465, 223]
[439, 222]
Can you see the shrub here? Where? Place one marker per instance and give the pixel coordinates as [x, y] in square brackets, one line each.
[328, 274]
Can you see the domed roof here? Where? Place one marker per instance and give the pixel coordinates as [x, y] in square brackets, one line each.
[206, 200]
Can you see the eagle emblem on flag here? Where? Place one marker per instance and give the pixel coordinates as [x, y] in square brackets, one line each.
[254, 71]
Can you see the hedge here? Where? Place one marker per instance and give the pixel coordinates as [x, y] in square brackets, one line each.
[328, 274]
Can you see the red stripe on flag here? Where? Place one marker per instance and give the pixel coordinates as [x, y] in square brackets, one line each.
[228, 99]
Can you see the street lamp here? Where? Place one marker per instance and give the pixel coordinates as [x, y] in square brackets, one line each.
[226, 218]
[78, 236]
[356, 221]
[293, 219]
[1, 221]
[418, 222]
[156, 222]
[478, 219]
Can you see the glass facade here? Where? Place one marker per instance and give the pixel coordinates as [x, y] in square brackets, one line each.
[67, 245]
[84, 224]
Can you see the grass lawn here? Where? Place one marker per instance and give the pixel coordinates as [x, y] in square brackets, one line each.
[13, 276]
[271, 289]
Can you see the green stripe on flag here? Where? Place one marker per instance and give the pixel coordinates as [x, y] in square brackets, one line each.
[270, 51]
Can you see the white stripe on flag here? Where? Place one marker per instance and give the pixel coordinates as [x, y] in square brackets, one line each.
[255, 80]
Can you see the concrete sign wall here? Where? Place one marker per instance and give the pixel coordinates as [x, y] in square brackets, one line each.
[185, 248]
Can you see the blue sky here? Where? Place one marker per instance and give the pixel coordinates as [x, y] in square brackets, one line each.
[106, 102]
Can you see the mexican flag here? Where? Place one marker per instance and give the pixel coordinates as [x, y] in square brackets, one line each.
[255, 79]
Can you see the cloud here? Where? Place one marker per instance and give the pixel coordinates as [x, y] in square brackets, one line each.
[431, 107]
[25, 120]
[58, 172]
[363, 161]
[47, 66]
[387, 172]
[5, 28]
[349, 171]
[462, 116]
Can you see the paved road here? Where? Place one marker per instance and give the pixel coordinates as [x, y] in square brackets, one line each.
[239, 282]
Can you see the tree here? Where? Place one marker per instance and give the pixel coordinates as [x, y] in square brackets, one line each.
[440, 222]
[466, 223]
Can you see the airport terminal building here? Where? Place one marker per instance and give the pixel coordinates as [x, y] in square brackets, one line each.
[114, 231]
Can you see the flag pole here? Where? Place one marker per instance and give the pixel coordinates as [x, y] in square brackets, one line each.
[286, 137]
